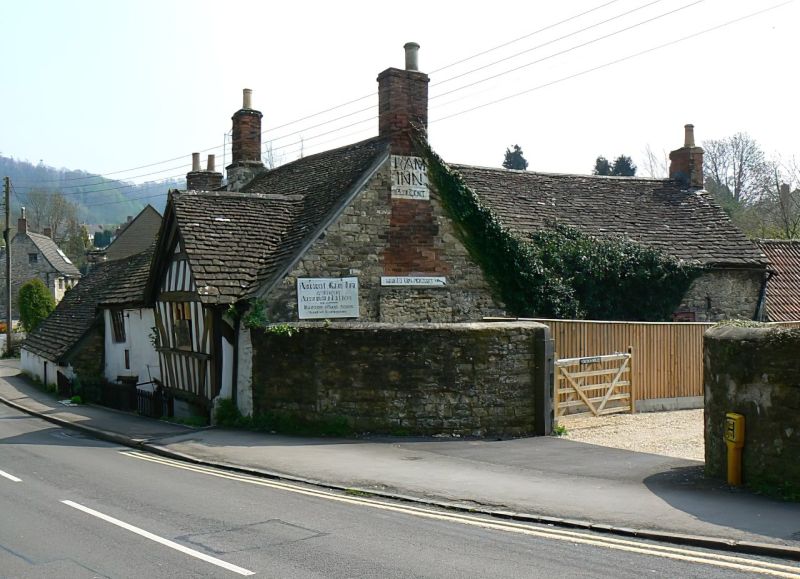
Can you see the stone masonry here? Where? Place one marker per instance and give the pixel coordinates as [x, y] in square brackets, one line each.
[723, 294]
[755, 372]
[356, 245]
[466, 379]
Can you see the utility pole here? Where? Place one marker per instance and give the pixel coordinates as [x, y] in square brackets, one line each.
[6, 238]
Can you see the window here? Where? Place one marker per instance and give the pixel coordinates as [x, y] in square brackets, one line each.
[33, 258]
[118, 325]
[127, 359]
[61, 283]
[182, 328]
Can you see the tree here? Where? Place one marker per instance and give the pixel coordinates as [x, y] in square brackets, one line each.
[602, 166]
[736, 164]
[35, 303]
[76, 243]
[655, 166]
[623, 167]
[49, 209]
[514, 159]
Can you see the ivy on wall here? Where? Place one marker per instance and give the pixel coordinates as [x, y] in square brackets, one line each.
[560, 272]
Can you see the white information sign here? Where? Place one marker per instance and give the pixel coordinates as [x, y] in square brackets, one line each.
[414, 280]
[409, 178]
[325, 297]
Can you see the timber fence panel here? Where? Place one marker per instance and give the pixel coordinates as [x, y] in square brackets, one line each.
[668, 357]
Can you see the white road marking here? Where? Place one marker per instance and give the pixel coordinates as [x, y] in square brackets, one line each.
[10, 477]
[161, 540]
[669, 552]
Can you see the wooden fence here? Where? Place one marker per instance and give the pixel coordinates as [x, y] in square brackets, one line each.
[667, 357]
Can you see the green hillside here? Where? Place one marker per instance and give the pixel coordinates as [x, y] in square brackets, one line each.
[97, 199]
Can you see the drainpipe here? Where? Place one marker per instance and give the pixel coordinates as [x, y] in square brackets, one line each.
[762, 296]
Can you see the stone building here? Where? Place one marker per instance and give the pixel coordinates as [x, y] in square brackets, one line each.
[35, 255]
[359, 234]
[674, 215]
[102, 328]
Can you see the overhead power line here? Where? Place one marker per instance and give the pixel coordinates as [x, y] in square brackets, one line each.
[333, 108]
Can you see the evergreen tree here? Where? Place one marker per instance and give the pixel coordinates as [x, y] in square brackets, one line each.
[602, 166]
[35, 303]
[514, 159]
[623, 167]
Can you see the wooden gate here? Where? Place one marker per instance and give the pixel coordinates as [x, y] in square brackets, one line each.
[595, 385]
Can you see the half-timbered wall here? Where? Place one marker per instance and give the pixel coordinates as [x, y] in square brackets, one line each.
[185, 329]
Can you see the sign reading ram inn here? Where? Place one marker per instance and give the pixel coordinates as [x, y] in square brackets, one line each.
[324, 297]
[409, 178]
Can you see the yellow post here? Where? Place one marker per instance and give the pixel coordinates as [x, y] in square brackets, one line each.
[734, 438]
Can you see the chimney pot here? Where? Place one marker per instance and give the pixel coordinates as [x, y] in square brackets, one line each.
[130, 218]
[412, 53]
[247, 98]
[22, 223]
[210, 164]
[195, 161]
[689, 138]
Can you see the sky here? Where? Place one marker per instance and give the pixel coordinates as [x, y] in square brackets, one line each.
[129, 89]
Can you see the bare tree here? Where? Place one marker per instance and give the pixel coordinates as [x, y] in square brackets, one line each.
[655, 166]
[784, 199]
[737, 164]
[49, 209]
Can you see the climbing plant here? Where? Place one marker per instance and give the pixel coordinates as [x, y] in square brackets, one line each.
[559, 271]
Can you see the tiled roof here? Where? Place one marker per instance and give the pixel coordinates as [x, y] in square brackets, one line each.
[136, 236]
[114, 282]
[683, 223]
[54, 255]
[783, 288]
[236, 241]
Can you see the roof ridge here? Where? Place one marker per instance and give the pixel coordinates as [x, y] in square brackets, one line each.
[557, 174]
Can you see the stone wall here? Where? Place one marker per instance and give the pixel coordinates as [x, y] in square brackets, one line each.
[466, 379]
[89, 359]
[755, 372]
[722, 294]
[360, 244]
[22, 271]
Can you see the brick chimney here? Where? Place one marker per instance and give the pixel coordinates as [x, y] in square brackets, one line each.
[208, 180]
[48, 232]
[245, 144]
[402, 102]
[22, 223]
[686, 163]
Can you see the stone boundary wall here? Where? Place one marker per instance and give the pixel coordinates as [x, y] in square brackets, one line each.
[468, 379]
[755, 372]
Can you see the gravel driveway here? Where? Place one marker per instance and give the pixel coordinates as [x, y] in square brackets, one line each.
[678, 433]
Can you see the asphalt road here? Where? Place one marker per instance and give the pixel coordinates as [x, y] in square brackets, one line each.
[71, 506]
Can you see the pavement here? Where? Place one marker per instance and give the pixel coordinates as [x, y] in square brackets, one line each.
[541, 479]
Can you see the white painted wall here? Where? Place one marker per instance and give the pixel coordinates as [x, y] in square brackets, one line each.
[139, 325]
[244, 378]
[34, 365]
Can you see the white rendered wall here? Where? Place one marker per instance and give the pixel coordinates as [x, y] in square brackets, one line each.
[139, 325]
[244, 377]
[34, 365]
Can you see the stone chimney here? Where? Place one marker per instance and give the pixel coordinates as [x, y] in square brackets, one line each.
[22, 223]
[245, 144]
[686, 163]
[403, 102]
[208, 180]
[48, 232]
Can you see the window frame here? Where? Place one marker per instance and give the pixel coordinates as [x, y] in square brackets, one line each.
[118, 334]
